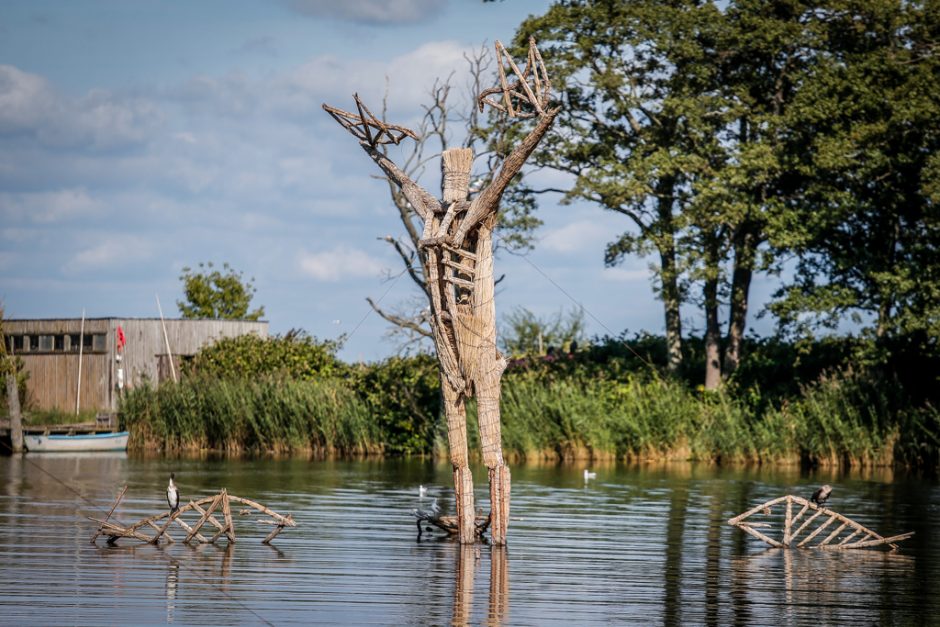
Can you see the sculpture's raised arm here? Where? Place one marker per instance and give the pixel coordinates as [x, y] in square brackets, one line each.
[515, 95]
[371, 131]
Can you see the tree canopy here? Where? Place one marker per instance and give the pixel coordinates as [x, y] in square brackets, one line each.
[211, 293]
[737, 136]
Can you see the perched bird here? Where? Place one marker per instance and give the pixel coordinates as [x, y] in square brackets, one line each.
[821, 495]
[422, 491]
[172, 495]
[589, 475]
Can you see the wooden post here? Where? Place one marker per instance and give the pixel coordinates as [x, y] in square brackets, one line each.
[13, 407]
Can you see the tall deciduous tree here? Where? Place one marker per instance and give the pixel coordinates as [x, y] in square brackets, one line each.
[677, 115]
[868, 230]
[627, 88]
[211, 293]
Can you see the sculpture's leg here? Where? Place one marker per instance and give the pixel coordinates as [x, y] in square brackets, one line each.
[490, 435]
[456, 415]
[486, 382]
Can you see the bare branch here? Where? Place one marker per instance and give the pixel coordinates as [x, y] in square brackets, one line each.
[401, 322]
[408, 258]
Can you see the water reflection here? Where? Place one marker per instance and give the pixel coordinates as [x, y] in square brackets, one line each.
[467, 566]
[827, 587]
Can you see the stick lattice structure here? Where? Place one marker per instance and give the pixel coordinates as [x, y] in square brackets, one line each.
[858, 536]
[205, 508]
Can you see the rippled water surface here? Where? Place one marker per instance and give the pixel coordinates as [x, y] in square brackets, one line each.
[637, 545]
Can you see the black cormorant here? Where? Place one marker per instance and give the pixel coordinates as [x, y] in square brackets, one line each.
[821, 495]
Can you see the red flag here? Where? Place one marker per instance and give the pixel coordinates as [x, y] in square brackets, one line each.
[121, 340]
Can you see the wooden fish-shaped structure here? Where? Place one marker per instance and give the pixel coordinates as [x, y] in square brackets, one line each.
[847, 534]
[203, 509]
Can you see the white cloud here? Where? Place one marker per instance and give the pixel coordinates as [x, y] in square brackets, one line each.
[24, 99]
[117, 250]
[339, 263]
[331, 79]
[371, 11]
[97, 121]
[49, 207]
[576, 237]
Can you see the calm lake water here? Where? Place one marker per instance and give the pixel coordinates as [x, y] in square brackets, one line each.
[637, 545]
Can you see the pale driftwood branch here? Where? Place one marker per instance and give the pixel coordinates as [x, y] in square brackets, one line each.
[205, 516]
[760, 536]
[227, 513]
[832, 536]
[286, 520]
[869, 537]
[866, 543]
[805, 524]
[110, 511]
[818, 530]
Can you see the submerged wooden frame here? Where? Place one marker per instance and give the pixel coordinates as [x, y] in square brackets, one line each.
[867, 540]
[205, 507]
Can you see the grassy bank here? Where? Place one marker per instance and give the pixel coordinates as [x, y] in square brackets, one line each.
[836, 420]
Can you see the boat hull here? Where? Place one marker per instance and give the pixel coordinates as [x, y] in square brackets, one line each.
[76, 443]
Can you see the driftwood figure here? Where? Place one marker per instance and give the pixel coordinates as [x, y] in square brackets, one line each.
[457, 244]
[856, 536]
[204, 509]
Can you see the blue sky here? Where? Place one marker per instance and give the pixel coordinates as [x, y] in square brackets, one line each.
[137, 138]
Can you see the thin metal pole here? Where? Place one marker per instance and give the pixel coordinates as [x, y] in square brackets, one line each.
[81, 346]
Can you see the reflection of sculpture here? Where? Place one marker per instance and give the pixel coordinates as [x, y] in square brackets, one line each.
[498, 605]
[457, 242]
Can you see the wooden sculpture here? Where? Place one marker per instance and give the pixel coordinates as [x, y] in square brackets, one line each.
[457, 243]
[204, 509]
[857, 536]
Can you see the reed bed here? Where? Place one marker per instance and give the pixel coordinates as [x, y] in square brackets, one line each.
[838, 420]
[238, 415]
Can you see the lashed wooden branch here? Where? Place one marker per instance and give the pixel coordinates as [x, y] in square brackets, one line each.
[223, 500]
[869, 539]
[368, 128]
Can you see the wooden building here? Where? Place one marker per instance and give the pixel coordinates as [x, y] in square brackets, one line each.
[51, 350]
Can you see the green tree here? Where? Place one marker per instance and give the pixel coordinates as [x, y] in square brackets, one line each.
[629, 79]
[524, 333]
[210, 293]
[867, 233]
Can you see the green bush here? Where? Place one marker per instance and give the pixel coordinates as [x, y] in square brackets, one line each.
[403, 397]
[294, 355]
